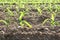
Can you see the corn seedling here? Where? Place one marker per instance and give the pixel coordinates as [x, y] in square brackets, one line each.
[17, 8]
[50, 7]
[39, 9]
[21, 5]
[28, 24]
[45, 21]
[57, 7]
[4, 22]
[52, 20]
[10, 12]
[3, 4]
[22, 14]
[23, 22]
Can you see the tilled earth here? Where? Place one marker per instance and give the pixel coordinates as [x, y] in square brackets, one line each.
[38, 32]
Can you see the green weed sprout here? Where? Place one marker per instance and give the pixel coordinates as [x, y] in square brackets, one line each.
[23, 22]
[10, 12]
[4, 22]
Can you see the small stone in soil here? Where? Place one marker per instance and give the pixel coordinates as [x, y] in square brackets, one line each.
[19, 26]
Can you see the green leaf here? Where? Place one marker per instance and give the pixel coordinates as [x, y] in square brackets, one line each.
[21, 23]
[53, 16]
[21, 16]
[10, 12]
[4, 21]
[45, 21]
[27, 24]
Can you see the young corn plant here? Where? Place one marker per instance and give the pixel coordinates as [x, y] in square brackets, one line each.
[10, 12]
[4, 22]
[38, 9]
[3, 4]
[52, 20]
[50, 7]
[57, 7]
[20, 4]
[23, 22]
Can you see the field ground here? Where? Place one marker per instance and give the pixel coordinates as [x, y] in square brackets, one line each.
[37, 1]
[14, 31]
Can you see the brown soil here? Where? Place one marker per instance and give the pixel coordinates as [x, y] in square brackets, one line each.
[38, 32]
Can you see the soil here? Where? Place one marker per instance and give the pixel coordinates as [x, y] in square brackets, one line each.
[38, 32]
